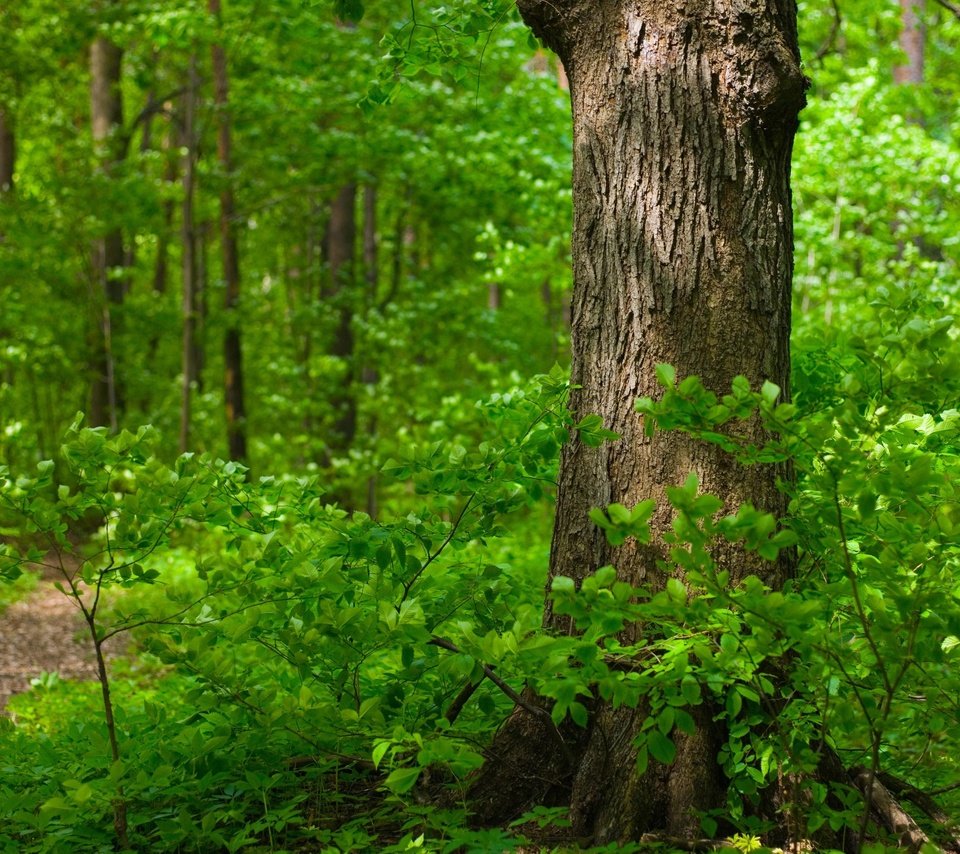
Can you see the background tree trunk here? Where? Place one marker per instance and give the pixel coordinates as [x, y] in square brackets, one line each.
[684, 119]
[912, 39]
[106, 118]
[8, 152]
[341, 238]
[189, 253]
[235, 404]
[369, 374]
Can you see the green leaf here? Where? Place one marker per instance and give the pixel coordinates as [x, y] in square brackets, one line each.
[379, 751]
[665, 720]
[690, 689]
[675, 590]
[769, 392]
[666, 375]
[402, 780]
[661, 748]
[578, 712]
[643, 759]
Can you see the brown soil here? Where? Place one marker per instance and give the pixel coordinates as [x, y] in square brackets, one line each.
[43, 633]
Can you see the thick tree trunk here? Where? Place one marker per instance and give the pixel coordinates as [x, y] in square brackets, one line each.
[340, 241]
[684, 116]
[106, 117]
[189, 252]
[234, 401]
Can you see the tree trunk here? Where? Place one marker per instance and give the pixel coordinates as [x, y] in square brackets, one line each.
[912, 38]
[106, 118]
[202, 297]
[684, 117]
[234, 401]
[369, 374]
[340, 242]
[8, 152]
[161, 267]
[189, 252]
[493, 296]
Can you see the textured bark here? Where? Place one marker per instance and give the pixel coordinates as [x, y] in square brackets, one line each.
[684, 116]
[106, 119]
[234, 400]
[8, 152]
[912, 39]
[340, 242]
[189, 359]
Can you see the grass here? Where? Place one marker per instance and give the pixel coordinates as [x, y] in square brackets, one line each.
[14, 591]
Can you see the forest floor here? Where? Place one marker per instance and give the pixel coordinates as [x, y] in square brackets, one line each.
[43, 633]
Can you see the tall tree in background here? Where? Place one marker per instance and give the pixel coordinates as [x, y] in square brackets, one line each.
[684, 117]
[234, 401]
[106, 118]
[340, 242]
[371, 277]
[912, 38]
[8, 152]
[189, 252]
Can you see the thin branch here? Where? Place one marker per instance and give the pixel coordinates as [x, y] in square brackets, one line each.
[828, 45]
[153, 106]
[536, 711]
[432, 557]
[466, 692]
[953, 8]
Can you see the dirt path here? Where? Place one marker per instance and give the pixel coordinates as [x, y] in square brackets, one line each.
[43, 633]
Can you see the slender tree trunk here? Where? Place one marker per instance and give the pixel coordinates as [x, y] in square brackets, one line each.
[106, 115]
[202, 298]
[340, 241]
[369, 375]
[684, 117]
[161, 266]
[189, 252]
[235, 404]
[8, 153]
[494, 296]
[912, 40]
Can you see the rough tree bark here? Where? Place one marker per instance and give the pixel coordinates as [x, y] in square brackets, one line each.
[234, 401]
[106, 118]
[684, 116]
